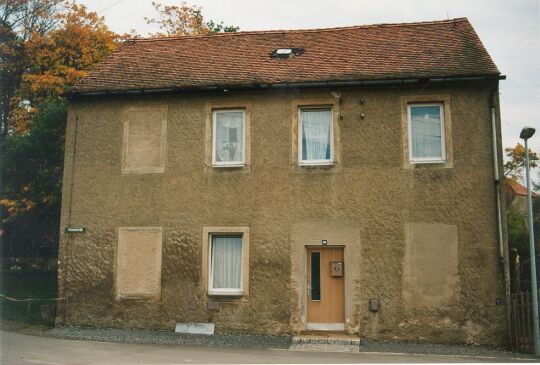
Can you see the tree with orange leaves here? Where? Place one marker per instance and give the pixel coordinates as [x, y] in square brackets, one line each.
[184, 20]
[49, 47]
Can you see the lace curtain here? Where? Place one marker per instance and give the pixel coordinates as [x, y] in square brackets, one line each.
[229, 136]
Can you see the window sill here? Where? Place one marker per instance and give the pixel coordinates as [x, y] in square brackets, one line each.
[323, 163]
[427, 162]
[230, 165]
[225, 293]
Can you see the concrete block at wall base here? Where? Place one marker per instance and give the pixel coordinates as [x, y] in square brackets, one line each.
[195, 328]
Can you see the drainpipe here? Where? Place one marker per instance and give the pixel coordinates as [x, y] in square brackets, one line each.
[497, 182]
[500, 237]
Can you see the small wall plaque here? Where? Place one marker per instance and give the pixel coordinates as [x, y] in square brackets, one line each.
[75, 230]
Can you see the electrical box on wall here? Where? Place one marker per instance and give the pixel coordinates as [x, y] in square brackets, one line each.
[336, 268]
[374, 305]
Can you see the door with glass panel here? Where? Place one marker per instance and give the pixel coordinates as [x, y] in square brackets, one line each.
[325, 288]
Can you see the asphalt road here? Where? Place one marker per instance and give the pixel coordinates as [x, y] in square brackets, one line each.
[17, 348]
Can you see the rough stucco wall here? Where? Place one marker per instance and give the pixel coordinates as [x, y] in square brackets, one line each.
[370, 191]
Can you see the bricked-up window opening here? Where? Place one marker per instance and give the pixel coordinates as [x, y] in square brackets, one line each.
[144, 142]
[426, 133]
[226, 265]
[315, 276]
[138, 263]
[228, 138]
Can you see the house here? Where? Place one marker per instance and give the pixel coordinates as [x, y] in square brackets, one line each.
[283, 181]
[516, 196]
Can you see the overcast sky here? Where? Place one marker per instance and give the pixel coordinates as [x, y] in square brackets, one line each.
[510, 31]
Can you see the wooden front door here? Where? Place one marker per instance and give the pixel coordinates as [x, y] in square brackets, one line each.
[325, 288]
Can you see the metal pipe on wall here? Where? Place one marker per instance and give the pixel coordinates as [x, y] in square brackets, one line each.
[500, 237]
[497, 183]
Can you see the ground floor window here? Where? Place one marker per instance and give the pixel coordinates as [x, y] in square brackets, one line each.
[226, 265]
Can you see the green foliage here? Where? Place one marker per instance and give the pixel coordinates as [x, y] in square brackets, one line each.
[46, 46]
[220, 27]
[32, 169]
[518, 236]
[22, 285]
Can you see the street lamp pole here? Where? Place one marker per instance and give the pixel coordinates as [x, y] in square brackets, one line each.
[527, 133]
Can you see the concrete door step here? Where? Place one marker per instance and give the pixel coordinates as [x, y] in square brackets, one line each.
[331, 338]
[325, 342]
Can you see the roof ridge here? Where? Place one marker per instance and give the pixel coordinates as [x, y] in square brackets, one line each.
[283, 31]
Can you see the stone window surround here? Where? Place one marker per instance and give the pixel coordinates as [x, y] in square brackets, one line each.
[210, 107]
[237, 163]
[206, 262]
[296, 105]
[443, 99]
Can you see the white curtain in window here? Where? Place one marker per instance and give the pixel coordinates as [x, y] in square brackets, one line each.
[229, 136]
[226, 262]
[426, 131]
[316, 134]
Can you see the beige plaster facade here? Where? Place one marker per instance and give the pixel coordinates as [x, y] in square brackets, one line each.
[422, 240]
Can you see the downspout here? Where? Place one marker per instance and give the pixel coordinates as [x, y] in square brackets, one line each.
[500, 236]
[67, 240]
[497, 178]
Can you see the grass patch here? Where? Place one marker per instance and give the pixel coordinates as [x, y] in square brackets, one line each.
[27, 284]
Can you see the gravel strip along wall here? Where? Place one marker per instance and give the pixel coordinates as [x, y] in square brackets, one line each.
[171, 338]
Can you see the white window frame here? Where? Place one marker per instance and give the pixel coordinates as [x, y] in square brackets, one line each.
[224, 291]
[420, 160]
[214, 122]
[316, 162]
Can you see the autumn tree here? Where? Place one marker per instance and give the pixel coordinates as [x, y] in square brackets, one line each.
[46, 61]
[19, 20]
[65, 54]
[514, 167]
[184, 19]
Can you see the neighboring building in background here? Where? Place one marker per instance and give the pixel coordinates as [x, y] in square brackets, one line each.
[516, 196]
[281, 181]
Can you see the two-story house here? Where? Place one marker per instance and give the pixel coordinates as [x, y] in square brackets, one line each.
[282, 181]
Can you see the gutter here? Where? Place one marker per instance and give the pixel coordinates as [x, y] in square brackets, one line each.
[286, 85]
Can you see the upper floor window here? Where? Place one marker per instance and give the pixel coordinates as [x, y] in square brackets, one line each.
[316, 146]
[426, 133]
[228, 137]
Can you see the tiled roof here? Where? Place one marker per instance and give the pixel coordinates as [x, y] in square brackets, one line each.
[449, 48]
[519, 189]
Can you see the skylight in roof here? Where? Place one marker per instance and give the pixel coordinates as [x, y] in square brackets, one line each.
[286, 52]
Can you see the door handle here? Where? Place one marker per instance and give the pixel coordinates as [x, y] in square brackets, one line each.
[308, 290]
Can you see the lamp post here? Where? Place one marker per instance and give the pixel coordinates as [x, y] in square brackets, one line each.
[526, 133]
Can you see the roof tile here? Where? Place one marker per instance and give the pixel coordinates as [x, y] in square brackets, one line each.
[446, 48]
